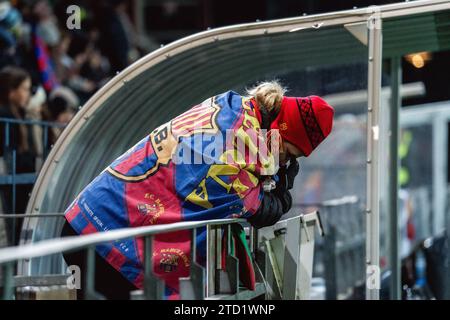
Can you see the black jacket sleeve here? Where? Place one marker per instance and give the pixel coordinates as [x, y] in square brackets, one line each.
[273, 207]
[274, 204]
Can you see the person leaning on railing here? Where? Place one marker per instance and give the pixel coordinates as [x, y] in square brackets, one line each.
[148, 185]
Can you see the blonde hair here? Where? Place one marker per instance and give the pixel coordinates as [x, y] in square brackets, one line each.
[268, 94]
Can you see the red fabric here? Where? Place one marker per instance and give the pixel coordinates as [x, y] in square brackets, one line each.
[171, 251]
[411, 230]
[115, 258]
[304, 122]
[72, 212]
[246, 271]
[90, 228]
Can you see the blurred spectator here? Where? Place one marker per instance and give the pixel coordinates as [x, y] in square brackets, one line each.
[46, 23]
[117, 40]
[88, 69]
[15, 91]
[44, 37]
[68, 62]
[82, 59]
[62, 106]
[10, 21]
[64, 68]
[63, 61]
[31, 37]
[34, 111]
[95, 69]
[7, 47]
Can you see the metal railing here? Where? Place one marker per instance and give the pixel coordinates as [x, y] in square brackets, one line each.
[292, 239]
[340, 256]
[288, 254]
[39, 142]
[262, 242]
[8, 124]
[152, 286]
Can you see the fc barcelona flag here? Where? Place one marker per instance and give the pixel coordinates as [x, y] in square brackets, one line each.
[186, 170]
[44, 62]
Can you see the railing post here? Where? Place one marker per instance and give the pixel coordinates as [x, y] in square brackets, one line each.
[221, 281]
[14, 197]
[273, 275]
[6, 145]
[193, 288]
[291, 259]
[90, 292]
[8, 281]
[394, 165]
[153, 287]
[227, 281]
[373, 160]
[229, 239]
[331, 271]
[194, 246]
[211, 260]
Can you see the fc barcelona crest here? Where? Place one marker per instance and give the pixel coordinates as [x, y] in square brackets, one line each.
[169, 262]
[153, 209]
[147, 209]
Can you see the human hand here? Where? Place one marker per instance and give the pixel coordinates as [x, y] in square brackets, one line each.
[292, 172]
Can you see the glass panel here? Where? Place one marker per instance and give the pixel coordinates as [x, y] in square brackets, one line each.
[337, 170]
